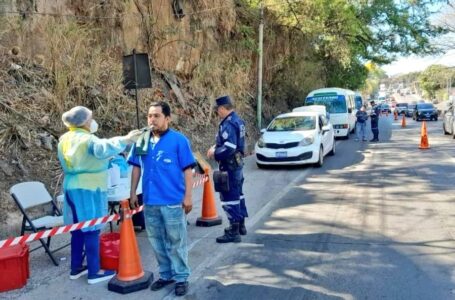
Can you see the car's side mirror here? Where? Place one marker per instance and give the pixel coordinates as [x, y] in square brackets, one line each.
[263, 130]
[325, 129]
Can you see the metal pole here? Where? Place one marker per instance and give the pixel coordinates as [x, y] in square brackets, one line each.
[261, 40]
[135, 87]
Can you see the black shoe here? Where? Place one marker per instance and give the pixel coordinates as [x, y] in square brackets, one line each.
[160, 283]
[242, 229]
[231, 235]
[181, 288]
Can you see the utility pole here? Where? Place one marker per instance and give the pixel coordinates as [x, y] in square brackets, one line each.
[260, 58]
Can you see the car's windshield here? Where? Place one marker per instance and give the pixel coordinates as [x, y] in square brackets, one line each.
[334, 103]
[425, 106]
[402, 104]
[295, 123]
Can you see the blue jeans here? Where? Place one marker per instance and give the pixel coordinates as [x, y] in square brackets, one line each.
[166, 230]
[361, 132]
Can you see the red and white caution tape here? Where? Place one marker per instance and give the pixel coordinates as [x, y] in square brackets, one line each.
[198, 180]
[64, 229]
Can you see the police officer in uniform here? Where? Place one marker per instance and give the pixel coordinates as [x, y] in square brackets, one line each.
[229, 152]
[374, 116]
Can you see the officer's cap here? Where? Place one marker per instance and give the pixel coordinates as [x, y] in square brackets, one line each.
[223, 100]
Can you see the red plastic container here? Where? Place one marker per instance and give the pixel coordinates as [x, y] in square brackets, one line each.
[14, 267]
[109, 250]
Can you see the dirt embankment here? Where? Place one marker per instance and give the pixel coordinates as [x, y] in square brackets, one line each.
[56, 54]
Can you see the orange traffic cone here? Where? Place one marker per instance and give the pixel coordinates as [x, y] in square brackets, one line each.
[424, 137]
[395, 115]
[403, 121]
[209, 215]
[130, 277]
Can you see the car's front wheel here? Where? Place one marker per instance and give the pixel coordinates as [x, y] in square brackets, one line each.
[321, 158]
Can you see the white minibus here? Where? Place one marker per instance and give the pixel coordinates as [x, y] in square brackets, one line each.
[340, 104]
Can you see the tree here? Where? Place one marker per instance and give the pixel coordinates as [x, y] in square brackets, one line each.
[375, 76]
[347, 32]
[433, 78]
[446, 20]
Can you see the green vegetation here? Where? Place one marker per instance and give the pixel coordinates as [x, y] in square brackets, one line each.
[375, 76]
[346, 33]
[434, 80]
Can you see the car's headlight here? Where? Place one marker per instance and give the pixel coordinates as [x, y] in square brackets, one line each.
[261, 143]
[306, 141]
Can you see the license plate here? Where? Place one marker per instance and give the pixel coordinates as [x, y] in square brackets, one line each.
[281, 154]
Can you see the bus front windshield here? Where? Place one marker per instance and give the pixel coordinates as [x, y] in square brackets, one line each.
[333, 103]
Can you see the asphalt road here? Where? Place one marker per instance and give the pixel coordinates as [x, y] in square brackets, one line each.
[375, 222]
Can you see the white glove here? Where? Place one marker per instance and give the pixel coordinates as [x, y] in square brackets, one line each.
[133, 135]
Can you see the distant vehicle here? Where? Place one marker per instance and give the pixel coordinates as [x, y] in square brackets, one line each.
[296, 138]
[425, 111]
[340, 105]
[401, 108]
[385, 108]
[411, 108]
[448, 121]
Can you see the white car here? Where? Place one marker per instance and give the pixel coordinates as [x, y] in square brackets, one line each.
[296, 138]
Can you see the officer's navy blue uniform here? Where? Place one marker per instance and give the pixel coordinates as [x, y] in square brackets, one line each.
[374, 122]
[230, 141]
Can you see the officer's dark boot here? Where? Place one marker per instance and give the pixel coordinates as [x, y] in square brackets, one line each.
[231, 235]
[242, 228]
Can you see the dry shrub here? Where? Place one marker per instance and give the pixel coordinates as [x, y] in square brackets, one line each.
[221, 74]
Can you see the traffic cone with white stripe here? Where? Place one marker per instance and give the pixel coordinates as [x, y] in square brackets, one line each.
[130, 277]
[209, 215]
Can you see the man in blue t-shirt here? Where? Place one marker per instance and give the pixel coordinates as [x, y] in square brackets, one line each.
[164, 159]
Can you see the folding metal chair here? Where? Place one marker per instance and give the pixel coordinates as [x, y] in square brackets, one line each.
[32, 194]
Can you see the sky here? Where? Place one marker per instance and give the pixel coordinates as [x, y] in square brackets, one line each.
[415, 63]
